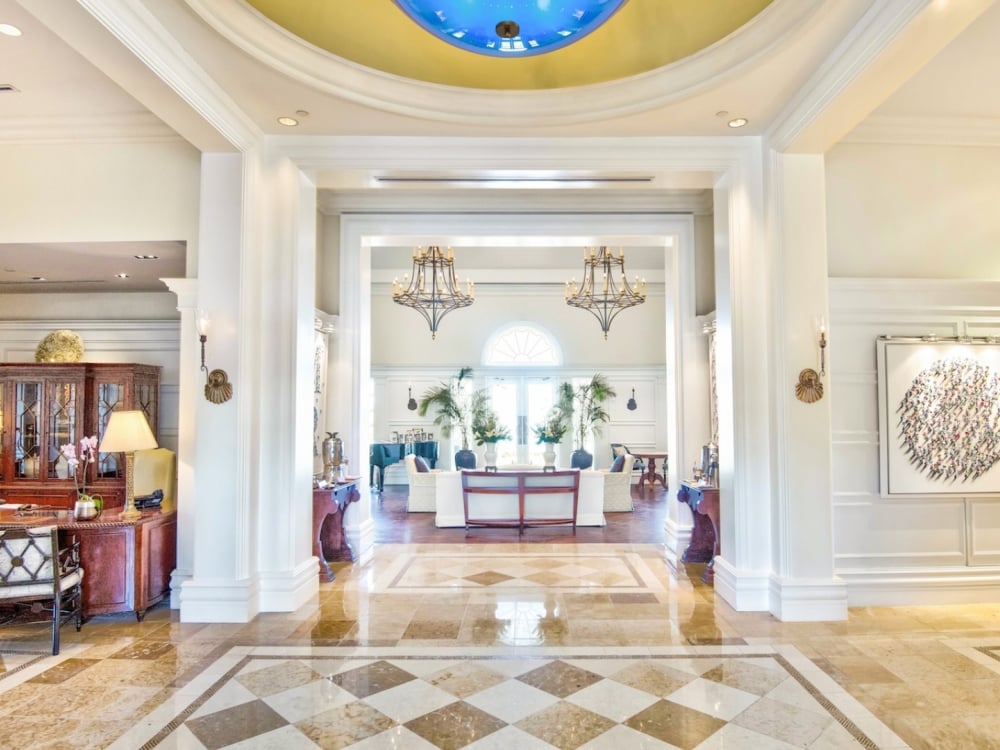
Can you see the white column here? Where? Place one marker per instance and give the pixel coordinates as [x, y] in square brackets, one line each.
[803, 586]
[285, 315]
[189, 391]
[744, 381]
[222, 587]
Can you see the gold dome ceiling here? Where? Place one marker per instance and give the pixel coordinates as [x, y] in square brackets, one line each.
[642, 36]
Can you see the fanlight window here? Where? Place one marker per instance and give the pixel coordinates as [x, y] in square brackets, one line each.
[522, 344]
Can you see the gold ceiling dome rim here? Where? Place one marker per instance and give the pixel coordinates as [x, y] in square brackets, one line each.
[280, 49]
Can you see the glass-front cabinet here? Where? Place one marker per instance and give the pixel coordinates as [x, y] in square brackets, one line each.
[48, 405]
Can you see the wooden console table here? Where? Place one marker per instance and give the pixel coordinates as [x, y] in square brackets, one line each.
[506, 495]
[127, 564]
[704, 545]
[329, 540]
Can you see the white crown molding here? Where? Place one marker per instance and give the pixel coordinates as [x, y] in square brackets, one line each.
[136, 127]
[698, 202]
[141, 32]
[927, 131]
[264, 40]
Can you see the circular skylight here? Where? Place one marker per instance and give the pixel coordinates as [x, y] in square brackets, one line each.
[510, 28]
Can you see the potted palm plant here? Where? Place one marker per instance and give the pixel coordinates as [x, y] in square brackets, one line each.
[586, 402]
[452, 407]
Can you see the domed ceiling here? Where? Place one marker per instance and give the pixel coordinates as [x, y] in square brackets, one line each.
[638, 37]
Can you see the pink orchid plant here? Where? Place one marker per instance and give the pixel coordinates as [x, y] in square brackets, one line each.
[88, 454]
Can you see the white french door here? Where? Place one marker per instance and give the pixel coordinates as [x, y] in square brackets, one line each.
[521, 402]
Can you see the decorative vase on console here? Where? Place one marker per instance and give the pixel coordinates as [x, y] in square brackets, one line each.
[87, 507]
[549, 454]
[550, 432]
[491, 456]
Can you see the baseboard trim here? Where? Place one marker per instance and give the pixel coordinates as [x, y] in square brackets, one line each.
[744, 591]
[676, 539]
[286, 591]
[808, 600]
[908, 587]
[218, 600]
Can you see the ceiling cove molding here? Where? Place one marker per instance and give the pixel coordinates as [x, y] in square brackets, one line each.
[712, 155]
[927, 131]
[138, 127]
[893, 40]
[278, 48]
[333, 202]
[142, 33]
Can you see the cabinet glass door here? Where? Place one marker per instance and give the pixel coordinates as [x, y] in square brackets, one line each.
[27, 426]
[61, 425]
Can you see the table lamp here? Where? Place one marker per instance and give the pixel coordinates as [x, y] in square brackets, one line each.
[128, 432]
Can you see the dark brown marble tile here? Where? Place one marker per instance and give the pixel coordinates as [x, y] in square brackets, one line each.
[63, 671]
[235, 724]
[675, 724]
[371, 678]
[432, 630]
[455, 725]
[144, 650]
[488, 578]
[559, 678]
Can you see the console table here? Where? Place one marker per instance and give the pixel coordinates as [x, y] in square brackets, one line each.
[127, 564]
[385, 454]
[704, 545]
[329, 540]
[518, 499]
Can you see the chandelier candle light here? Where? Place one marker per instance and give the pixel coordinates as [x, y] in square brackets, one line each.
[605, 291]
[432, 290]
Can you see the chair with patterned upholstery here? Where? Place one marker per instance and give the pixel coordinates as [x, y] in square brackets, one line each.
[37, 573]
[618, 485]
[619, 449]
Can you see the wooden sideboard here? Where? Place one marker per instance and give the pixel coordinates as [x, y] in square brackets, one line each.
[126, 564]
[329, 540]
[704, 545]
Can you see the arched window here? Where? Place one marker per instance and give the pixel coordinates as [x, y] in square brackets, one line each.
[523, 344]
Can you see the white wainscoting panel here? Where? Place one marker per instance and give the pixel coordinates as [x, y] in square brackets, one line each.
[984, 530]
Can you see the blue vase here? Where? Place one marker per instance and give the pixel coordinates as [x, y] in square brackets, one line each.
[581, 459]
[465, 459]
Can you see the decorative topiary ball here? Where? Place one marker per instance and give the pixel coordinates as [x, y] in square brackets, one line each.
[60, 346]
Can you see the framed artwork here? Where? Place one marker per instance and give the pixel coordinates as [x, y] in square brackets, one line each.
[939, 417]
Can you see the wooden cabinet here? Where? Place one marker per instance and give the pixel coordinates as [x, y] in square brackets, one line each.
[44, 406]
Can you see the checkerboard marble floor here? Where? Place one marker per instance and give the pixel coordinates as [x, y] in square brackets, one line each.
[510, 646]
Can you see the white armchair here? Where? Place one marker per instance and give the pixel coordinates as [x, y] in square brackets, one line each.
[423, 488]
[618, 487]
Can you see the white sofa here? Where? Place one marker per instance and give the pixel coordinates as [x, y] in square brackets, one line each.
[618, 487]
[451, 511]
[423, 488]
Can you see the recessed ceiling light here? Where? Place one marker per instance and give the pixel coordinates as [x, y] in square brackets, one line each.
[121, 275]
[146, 257]
[739, 122]
[288, 122]
[9, 30]
[38, 278]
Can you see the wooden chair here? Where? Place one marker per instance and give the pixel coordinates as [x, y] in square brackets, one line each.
[37, 573]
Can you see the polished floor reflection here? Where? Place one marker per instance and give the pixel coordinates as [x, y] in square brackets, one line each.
[510, 645]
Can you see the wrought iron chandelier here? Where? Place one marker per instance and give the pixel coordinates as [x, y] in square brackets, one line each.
[432, 289]
[605, 291]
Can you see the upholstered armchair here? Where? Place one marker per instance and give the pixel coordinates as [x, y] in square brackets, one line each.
[156, 469]
[37, 574]
[423, 487]
[618, 486]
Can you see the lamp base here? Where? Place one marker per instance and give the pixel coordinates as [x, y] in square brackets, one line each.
[130, 513]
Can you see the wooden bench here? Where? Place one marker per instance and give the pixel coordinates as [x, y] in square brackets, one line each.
[519, 499]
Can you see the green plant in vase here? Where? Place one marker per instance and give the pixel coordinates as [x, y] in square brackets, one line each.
[586, 403]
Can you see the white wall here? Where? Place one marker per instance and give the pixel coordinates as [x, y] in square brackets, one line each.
[400, 336]
[903, 549]
[100, 192]
[913, 211]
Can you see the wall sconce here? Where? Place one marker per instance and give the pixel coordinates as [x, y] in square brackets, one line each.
[809, 389]
[632, 405]
[412, 403]
[218, 389]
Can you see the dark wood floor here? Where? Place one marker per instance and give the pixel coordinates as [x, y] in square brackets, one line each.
[394, 525]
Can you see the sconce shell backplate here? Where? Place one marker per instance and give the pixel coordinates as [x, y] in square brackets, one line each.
[218, 389]
[809, 389]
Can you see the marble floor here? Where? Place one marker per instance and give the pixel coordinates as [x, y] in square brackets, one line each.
[510, 646]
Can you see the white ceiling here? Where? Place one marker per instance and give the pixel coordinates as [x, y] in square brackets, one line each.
[75, 80]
